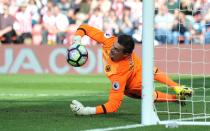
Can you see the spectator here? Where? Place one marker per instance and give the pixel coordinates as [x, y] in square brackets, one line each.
[62, 23]
[64, 6]
[23, 25]
[96, 19]
[54, 2]
[7, 33]
[48, 6]
[180, 30]
[118, 6]
[72, 16]
[207, 34]
[163, 25]
[49, 28]
[33, 9]
[85, 7]
[172, 5]
[105, 6]
[55, 25]
[170, 25]
[136, 6]
[198, 28]
[137, 35]
[205, 6]
[186, 7]
[110, 25]
[84, 10]
[136, 9]
[159, 3]
[126, 23]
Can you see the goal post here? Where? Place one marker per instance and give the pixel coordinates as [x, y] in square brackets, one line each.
[185, 60]
[148, 116]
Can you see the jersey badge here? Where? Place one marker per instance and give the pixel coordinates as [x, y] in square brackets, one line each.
[107, 68]
[115, 86]
[107, 35]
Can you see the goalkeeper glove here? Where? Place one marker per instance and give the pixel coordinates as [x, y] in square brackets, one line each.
[182, 90]
[76, 39]
[79, 109]
[181, 99]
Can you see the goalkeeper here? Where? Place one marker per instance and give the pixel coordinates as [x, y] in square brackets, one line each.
[124, 69]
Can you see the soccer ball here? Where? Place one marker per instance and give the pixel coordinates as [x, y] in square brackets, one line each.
[77, 55]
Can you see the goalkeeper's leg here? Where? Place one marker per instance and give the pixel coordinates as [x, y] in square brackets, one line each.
[158, 96]
[163, 97]
[165, 79]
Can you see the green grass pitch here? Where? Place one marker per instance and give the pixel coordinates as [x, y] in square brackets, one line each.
[41, 103]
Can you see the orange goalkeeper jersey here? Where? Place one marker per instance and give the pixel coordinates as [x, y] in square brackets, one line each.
[120, 73]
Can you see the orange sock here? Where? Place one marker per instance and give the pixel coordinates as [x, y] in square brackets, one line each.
[163, 97]
[163, 78]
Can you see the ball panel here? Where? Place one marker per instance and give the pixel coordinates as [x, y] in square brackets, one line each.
[82, 60]
[74, 55]
[73, 63]
[82, 50]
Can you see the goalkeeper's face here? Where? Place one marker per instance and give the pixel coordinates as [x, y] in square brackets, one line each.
[117, 52]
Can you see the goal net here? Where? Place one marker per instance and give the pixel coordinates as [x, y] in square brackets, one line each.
[189, 66]
[182, 51]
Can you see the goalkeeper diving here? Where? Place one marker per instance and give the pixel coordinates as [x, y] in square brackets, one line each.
[124, 69]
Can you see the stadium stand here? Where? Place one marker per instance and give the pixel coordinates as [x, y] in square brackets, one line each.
[53, 21]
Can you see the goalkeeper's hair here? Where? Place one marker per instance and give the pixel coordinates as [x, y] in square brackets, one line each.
[127, 42]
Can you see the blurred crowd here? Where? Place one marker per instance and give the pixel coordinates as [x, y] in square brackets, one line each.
[55, 21]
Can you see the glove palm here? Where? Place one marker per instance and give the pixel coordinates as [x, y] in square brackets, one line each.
[79, 109]
[76, 39]
[182, 90]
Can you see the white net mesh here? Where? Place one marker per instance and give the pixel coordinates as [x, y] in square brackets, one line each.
[182, 31]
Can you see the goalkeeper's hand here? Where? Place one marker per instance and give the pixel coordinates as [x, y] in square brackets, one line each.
[182, 90]
[76, 39]
[181, 99]
[79, 109]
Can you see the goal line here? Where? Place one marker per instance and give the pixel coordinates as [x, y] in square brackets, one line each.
[184, 121]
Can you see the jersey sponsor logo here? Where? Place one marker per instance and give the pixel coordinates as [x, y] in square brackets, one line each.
[115, 86]
[107, 68]
[107, 35]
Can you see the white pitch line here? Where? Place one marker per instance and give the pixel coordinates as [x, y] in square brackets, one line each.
[74, 82]
[140, 125]
[184, 120]
[192, 118]
[116, 128]
[44, 94]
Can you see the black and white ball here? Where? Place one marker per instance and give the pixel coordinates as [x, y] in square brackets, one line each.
[77, 55]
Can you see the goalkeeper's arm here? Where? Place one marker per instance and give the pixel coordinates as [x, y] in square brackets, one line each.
[93, 33]
[114, 101]
[111, 106]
